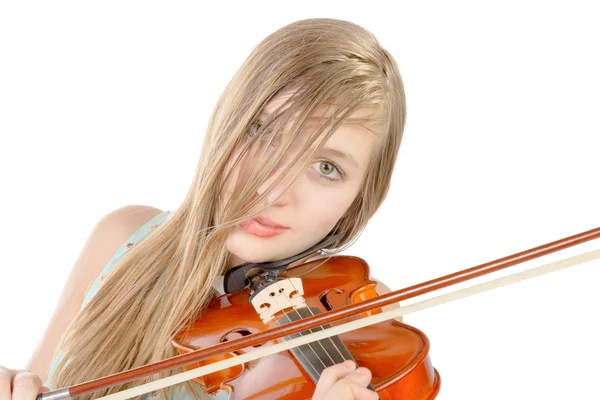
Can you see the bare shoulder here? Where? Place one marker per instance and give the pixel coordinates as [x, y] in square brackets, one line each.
[127, 219]
[111, 231]
[105, 238]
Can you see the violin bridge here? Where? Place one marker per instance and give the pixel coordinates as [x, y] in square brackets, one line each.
[279, 296]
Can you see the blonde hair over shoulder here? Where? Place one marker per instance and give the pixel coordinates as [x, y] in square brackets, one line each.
[162, 283]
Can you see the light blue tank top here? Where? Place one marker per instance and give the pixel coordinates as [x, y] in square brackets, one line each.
[142, 232]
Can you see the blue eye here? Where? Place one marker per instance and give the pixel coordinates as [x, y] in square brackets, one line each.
[253, 125]
[258, 132]
[340, 174]
[324, 175]
[252, 133]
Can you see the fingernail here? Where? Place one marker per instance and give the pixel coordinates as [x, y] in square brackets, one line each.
[362, 371]
[349, 364]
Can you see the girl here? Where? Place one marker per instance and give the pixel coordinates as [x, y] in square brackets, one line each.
[301, 144]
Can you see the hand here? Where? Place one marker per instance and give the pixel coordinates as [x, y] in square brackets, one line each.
[344, 382]
[18, 384]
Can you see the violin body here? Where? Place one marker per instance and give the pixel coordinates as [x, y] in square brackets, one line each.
[396, 353]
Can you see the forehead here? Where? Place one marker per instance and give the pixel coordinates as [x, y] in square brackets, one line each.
[324, 112]
[351, 142]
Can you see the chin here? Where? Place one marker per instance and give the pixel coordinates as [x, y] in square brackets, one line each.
[244, 246]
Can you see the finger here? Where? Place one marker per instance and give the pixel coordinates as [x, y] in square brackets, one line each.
[360, 392]
[347, 389]
[361, 376]
[5, 379]
[330, 376]
[25, 385]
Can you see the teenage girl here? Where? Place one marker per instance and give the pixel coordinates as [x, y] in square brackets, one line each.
[301, 144]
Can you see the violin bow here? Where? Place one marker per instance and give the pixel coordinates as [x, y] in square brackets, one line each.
[334, 315]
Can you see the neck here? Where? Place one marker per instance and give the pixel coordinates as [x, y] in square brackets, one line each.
[234, 261]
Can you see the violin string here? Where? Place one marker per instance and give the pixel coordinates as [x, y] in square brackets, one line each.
[339, 352]
[301, 334]
[342, 328]
[330, 339]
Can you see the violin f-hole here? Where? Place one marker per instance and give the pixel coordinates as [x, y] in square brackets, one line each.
[325, 301]
[236, 334]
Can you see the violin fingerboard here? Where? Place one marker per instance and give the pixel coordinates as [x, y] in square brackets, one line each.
[316, 356]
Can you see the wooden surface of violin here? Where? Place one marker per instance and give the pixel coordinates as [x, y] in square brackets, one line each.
[396, 353]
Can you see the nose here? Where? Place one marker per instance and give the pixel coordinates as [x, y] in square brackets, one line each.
[272, 198]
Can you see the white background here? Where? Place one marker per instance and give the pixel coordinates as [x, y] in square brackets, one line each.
[105, 104]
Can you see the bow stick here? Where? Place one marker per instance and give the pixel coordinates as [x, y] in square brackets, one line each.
[334, 315]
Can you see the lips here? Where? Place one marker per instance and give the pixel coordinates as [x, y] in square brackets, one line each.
[269, 222]
[256, 228]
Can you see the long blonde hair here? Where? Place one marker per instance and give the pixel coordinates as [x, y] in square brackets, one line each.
[162, 283]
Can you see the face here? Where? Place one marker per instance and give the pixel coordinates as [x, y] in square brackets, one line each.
[313, 205]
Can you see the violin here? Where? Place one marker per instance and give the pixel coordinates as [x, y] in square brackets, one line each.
[321, 312]
[396, 353]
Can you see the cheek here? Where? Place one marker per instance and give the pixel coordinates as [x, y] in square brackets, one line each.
[325, 210]
[224, 197]
[229, 186]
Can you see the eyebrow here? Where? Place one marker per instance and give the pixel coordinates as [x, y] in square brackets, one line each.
[345, 156]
